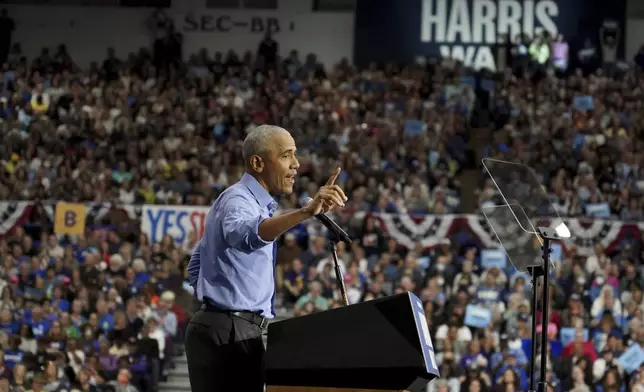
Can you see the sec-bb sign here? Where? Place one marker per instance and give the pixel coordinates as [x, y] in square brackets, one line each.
[227, 23]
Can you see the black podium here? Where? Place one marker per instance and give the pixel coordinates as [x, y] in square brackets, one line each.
[380, 345]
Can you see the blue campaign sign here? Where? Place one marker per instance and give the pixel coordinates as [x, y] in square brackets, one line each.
[632, 359]
[567, 335]
[494, 258]
[178, 222]
[556, 253]
[414, 127]
[470, 30]
[477, 316]
[583, 102]
[423, 333]
[598, 210]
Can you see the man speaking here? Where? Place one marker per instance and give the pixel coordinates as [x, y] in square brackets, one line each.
[232, 267]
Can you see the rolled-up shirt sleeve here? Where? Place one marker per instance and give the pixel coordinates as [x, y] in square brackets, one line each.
[194, 265]
[241, 226]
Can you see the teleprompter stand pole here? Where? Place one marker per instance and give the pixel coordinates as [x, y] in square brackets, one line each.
[535, 272]
[333, 244]
[547, 235]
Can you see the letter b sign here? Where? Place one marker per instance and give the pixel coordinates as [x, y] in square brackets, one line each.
[70, 218]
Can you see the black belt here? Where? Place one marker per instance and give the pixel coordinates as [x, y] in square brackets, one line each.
[252, 317]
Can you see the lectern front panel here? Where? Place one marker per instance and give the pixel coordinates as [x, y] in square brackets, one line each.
[382, 344]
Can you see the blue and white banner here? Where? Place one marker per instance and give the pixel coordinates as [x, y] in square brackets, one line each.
[477, 316]
[178, 222]
[556, 252]
[567, 335]
[598, 210]
[583, 103]
[414, 127]
[494, 258]
[632, 359]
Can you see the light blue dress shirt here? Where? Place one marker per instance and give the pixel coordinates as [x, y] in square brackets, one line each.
[232, 265]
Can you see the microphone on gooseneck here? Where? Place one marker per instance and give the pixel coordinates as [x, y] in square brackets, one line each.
[333, 227]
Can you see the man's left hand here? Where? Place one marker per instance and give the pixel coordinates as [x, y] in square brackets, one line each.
[329, 197]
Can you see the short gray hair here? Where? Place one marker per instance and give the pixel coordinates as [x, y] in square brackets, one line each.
[258, 140]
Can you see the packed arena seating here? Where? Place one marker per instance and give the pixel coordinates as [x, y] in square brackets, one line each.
[581, 132]
[104, 311]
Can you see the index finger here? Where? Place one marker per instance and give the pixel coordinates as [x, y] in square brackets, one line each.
[334, 176]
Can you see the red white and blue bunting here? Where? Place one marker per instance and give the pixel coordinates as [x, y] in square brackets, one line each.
[407, 230]
[431, 229]
[13, 214]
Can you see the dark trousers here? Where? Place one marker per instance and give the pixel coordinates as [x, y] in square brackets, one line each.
[225, 353]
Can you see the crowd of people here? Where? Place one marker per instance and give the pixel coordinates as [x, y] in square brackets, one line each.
[96, 315]
[104, 311]
[580, 128]
[130, 131]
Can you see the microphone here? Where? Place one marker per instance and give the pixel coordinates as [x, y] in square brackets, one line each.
[333, 227]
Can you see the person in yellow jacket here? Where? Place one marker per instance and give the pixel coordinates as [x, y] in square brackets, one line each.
[40, 100]
[539, 52]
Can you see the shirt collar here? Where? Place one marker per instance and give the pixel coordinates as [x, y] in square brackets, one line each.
[263, 197]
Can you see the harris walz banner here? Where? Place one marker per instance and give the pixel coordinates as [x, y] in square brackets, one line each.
[471, 30]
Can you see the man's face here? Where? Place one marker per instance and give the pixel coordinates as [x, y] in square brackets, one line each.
[101, 306]
[297, 265]
[578, 348]
[123, 377]
[280, 164]
[36, 314]
[576, 307]
[289, 242]
[315, 289]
